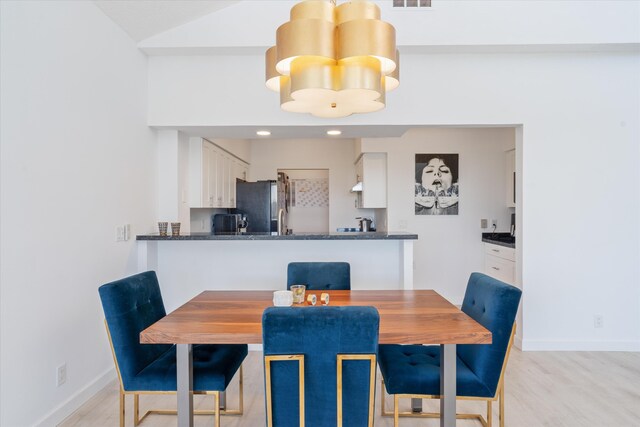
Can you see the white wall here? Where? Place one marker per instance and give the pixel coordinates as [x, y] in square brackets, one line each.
[248, 24]
[577, 110]
[169, 176]
[336, 155]
[172, 180]
[449, 248]
[77, 160]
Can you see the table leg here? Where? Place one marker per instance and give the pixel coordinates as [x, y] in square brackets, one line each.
[447, 385]
[184, 363]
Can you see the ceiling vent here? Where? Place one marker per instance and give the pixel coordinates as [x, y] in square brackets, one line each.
[411, 3]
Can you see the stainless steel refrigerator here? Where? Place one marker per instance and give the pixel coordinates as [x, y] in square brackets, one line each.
[265, 203]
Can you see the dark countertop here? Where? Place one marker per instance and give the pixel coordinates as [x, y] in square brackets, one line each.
[296, 236]
[501, 239]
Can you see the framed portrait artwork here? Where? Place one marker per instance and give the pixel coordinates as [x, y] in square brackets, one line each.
[436, 189]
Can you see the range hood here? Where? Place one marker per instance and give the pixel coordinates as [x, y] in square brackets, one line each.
[357, 188]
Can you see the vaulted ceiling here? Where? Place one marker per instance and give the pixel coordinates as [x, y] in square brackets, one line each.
[143, 18]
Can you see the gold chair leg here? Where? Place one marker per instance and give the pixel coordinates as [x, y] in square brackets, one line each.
[396, 411]
[137, 419]
[121, 408]
[489, 412]
[136, 409]
[501, 404]
[216, 397]
[240, 409]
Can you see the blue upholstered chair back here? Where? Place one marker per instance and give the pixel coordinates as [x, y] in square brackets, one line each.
[493, 304]
[131, 305]
[319, 275]
[320, 333]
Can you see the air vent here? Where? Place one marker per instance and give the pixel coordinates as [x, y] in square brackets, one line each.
[411, 3]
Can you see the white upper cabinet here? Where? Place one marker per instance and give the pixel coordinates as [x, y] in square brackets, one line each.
[220, 180]
[202, 174]
[510, 159]
[212, 175]
[371, 171]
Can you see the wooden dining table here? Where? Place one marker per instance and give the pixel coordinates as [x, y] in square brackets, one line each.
[235, 317]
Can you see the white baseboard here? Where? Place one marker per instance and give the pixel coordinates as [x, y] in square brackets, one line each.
[68, 407]
[518, 342]
[541, 345]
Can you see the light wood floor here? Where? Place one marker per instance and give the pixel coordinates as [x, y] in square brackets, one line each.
[555, 389]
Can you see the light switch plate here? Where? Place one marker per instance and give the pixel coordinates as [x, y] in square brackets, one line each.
[119, 234]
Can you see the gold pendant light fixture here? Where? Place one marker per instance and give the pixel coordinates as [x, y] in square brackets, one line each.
[333, 61]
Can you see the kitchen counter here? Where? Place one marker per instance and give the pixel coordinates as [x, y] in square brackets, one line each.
[500, 239]
[191, 263]
[273, 236]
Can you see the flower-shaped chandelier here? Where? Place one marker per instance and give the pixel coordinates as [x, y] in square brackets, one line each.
[333, 61]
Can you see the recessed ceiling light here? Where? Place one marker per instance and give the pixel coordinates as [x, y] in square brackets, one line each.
[263, 133]
[334, 132]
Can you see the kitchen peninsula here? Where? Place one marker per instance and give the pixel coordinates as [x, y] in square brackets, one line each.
[191, 263]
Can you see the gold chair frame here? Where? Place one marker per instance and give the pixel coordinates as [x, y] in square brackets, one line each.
[267, 377]
[340, 358]
[137, 419]
[499, 395]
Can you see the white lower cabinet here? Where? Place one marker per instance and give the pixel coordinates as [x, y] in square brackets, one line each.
[499, 262]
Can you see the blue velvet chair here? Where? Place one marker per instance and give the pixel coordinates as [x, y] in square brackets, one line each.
[320, 365]
[319, 275]
[131, 305]
[413, 371]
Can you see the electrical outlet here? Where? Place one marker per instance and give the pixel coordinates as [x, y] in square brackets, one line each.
[598, 321]
[61, 375]
[484, 223]
[494, 223]
[127, 231]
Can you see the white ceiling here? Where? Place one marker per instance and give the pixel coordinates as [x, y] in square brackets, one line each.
[145, 18]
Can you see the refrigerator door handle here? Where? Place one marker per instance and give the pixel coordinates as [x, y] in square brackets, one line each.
[281, 221]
